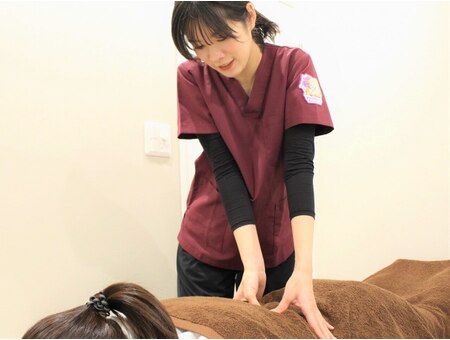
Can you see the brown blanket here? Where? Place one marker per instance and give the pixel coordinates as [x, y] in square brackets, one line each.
[408, 299]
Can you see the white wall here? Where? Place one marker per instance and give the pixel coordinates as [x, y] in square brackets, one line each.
[82, 207]
[382, 177]
[448, 81]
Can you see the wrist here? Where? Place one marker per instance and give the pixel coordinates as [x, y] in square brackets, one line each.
[303, 265]
[303, 271]
[256, 265]
[249, 248]
[253, 260]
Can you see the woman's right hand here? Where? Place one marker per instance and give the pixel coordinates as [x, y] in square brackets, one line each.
[253, 280]
[252, 286]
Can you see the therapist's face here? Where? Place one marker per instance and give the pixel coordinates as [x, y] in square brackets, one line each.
[229, 56]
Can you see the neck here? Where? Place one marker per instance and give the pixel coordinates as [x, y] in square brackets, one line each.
[247, 77]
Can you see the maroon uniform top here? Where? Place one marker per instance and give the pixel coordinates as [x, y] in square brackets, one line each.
[285, 93]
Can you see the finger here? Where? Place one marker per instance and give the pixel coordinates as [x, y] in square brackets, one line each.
[282, 306]
[253, 300]
[326, 331]
[315, 327]
[329, 334]
[318, 323]
[261, 289]
[238, 295]
[325, 327]
[240, 298]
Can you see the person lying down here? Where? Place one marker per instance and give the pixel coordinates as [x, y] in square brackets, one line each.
[408, 299]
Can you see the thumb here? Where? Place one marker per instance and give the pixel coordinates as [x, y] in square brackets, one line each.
[239, 295]
[253, 300]
[282, 306]
[260, 293]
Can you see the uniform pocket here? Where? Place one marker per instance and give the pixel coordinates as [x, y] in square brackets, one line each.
[281, 209]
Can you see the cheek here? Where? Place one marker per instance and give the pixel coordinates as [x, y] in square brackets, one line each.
[240, 55]
[238, 50]
[201, 54]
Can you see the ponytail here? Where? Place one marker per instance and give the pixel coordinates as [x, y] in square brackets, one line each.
[264, 28]
[140, 312]
[122, 310]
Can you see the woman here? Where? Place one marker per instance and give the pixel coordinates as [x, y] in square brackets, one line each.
[255, 108]
[407, 299]
[120, 311]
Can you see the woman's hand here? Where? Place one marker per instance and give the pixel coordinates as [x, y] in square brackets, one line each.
[299, 291]
[253, 280]
[252, 286]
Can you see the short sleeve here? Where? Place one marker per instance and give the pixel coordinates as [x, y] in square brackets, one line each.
[193, 114]
[305, 101]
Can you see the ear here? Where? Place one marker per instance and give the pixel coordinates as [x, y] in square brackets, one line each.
[251, 15]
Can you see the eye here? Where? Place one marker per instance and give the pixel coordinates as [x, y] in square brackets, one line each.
[197, 47]
[221, 38]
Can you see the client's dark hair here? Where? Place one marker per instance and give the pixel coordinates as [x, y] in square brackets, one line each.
[122, 310]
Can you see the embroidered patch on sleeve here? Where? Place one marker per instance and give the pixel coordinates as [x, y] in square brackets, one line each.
[311, 89]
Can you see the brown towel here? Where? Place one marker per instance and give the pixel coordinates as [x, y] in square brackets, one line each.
[408, 299]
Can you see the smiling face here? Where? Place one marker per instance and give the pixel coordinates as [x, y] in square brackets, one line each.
[220, 34]
[231, 56]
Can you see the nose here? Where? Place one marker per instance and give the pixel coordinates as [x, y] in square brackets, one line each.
[215, 54]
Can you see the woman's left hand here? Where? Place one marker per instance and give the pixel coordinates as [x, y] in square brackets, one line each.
[299, 291]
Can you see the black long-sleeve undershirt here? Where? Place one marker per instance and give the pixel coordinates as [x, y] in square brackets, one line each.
[234, 193]
[299, 169]
[299, 172]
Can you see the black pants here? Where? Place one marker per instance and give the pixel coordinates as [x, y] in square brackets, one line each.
[196, 278]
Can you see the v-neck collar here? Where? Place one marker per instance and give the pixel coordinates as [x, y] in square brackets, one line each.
[252, 106]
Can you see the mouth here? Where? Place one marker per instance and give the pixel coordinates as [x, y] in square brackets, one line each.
[226, 67]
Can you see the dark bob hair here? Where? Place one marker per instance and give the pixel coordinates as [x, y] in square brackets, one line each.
[190, 18]
[130, 312]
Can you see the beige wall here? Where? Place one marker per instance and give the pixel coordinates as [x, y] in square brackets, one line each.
[448, 99]
[382, 177]
[82, 207]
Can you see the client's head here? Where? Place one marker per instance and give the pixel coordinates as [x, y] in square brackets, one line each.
[122, 310]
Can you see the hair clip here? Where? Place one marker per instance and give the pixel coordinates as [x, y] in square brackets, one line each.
[100, 304]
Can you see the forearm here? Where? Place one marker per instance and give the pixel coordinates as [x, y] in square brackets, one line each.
[230, 183]
[302, 231]
[235, 199]
[249, 248]
[253, 283]
[299, 173]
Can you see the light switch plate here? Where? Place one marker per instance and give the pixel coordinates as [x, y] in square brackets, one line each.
[157, 139]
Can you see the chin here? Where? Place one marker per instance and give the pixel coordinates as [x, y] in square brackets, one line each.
[230, 74]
